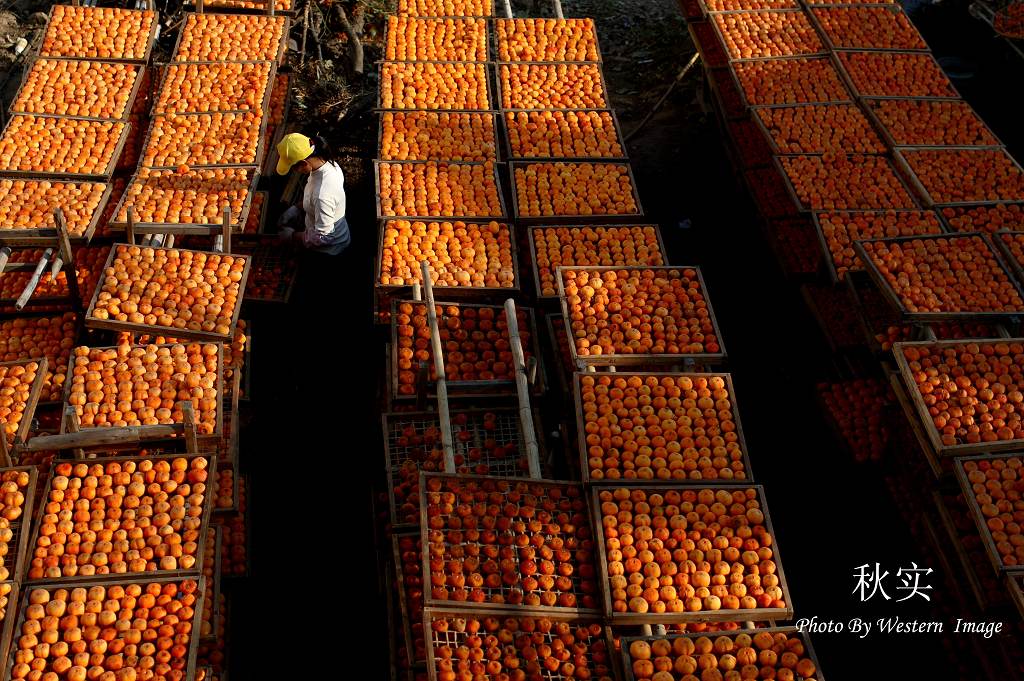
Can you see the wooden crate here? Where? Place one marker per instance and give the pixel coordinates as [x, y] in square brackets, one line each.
[975, 509]
[543, 488]
[140, 72]
[581, 439]
[533, 229]
[102, 175]
[924, 416]
[193, 643]
[724, 615]
[279, 58]
[897, 302]
[481, 388]
[206, 336]
[151, 41]
[510, 154]
[507, 432]
[35, 390]
[575, 219]
[488, 85]
[496, 40]
[453, 638]
[472, 218]
[189, 229]
[143, 431]
[18, 551]
[499, 90]
[385, 294]
[636, 359]
[791, 632]
[263, 105]
[181, 573]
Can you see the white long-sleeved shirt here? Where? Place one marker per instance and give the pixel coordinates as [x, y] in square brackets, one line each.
[323, 201]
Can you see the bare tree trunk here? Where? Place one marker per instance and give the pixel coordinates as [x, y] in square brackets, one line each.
[355, 45]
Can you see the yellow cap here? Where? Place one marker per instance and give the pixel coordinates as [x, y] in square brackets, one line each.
[290, 150]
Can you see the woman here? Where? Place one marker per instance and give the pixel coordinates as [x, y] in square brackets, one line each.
[318, 223]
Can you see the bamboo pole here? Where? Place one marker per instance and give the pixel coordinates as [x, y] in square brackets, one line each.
[523, 388]
[33, 282]
[558, 9]
[442, 383]
[5, 256]
[508, 8]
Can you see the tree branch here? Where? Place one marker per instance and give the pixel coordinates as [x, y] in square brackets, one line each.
[355, 44]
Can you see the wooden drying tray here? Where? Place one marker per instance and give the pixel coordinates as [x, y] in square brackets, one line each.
[890, 141]
[494, 31]
[44, 236]
[703, 358]
[256, 161]
[773, 143]
[429, 218]
[620, 482]
[616, 129]
[532, 229]
[745, 615]
[826, 38]
[505, 608]
[897, 302]
[132, 226]
[140, 72]
[496, 388]
[386, 293]
[97, 436]
[189, 334]
[490, 13]
[269, 7]
[824, 51]
[900, 159]
[463, 610]
[263, 105]
[192, 573]
[709, 12]
[508, 429]
[488, 85]
[30, 405]
[979, 518]
[923, 413]
[827, 58]
[101, 176]
[556, 220]
[151, 41]
[851, 85]
[279, 58]
[792, 632]
[138, 578]
[826, 252]
[493, 115]
[499, 88]
[17, 556]
[801, 207]
[401, 58]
